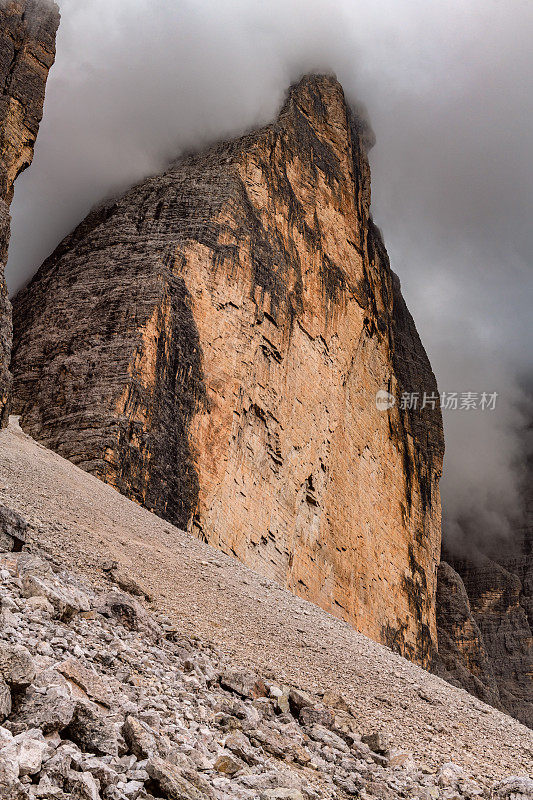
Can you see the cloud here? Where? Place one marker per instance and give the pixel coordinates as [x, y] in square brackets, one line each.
[449, 89]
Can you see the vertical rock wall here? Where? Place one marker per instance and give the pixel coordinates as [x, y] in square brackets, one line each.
[27, 50]
[211, 344]
[485, 616]
[485, 620]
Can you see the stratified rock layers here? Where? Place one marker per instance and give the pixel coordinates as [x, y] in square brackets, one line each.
[211, 344]
[27, 50]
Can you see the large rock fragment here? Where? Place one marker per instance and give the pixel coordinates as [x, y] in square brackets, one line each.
[299, 700]
[51, 711]
[91, 684]
[39, 580]
[5, 700]
[66, 600]
[239, 744]
[377, 741]
[9, 767]
[168, 780]
[92, 731]
[140, 738]
[244, 683]
[82, 786]
[130, 613]
[515, 787]
[16, 665]
[13, 530]
[23, 755]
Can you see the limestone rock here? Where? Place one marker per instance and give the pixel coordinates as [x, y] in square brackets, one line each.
[227, 765]
[82, 786]
[299, 700]
[377, 741]
[38, 580]
[13, 529]
[125, 582]
[27, 50]
[40, 604]
[130, 613]
[317, 715]
[245, 684]
[224, 330]
[5, 700]
[282, 794]
[16, 665]
[168, 779]
[92, 731]
[87, 680]
[9, 767]
[51, 711]
[28, 750]
[514, 788]
[485, 619]
[239, 744]
[66, 601]
[140, 739]
[177, 727]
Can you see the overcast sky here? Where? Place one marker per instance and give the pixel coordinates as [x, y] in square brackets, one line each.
[449, 89]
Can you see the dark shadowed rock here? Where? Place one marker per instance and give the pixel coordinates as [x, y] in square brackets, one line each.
[51, 711]
[16, 665]
[92, 731]
[130, 613]
[13, 530]
[485, 619]
[27, 49]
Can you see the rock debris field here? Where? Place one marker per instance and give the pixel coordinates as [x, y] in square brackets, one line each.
[138, 663]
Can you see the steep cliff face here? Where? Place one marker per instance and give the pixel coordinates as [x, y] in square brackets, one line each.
[486, 630]
[27, 50]
[211, 344]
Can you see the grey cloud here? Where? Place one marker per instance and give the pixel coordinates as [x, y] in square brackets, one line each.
[449, 90]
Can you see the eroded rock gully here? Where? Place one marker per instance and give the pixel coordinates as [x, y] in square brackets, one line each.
[211, 345]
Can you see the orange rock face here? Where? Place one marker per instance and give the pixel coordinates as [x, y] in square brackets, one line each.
[212, 343]
[27, 50]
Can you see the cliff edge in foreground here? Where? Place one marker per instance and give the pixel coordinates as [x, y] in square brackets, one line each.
[27, 51]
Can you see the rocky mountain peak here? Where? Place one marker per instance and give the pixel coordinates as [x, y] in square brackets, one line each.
[212, 344]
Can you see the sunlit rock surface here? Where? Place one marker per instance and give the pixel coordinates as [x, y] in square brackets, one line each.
[211, 344]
